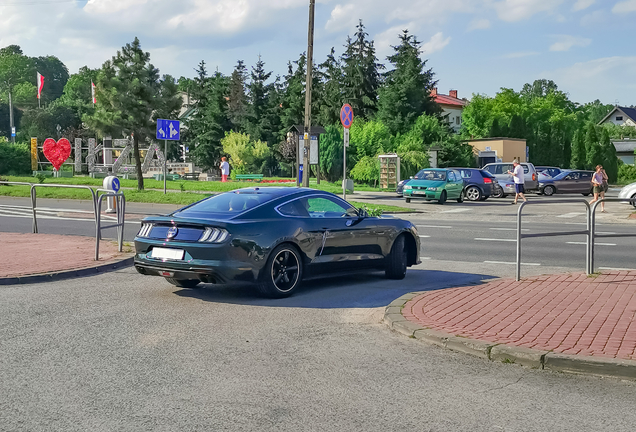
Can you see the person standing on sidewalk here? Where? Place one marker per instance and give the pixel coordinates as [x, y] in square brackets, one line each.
[225, 169]
[599, 180]
[519, 178]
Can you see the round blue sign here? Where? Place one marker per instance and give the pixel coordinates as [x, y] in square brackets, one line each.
[116, 184]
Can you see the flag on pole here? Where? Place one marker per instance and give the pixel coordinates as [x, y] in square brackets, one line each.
[93, 92]
[40, 84]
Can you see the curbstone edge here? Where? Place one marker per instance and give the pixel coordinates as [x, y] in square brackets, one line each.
[617, 368]
[518, 355]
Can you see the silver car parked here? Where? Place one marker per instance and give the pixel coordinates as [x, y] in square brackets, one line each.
[507, 183]
[629, 192]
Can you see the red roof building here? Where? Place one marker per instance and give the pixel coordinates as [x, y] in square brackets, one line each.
[452, 107]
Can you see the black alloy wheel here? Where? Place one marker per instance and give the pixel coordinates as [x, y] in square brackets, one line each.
[397, 260]
[461, 198]
[408, 200]
[442, 197]
[633, 198]
[549, 190]
[499, 193]
[283, 272]
[184, 283]
[473, 193]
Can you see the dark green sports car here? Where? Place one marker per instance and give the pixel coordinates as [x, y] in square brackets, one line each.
[273, 237]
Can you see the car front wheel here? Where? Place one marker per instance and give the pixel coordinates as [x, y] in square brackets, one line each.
[408, 200]
[442, 197]
[549, 190]
[633, 200]
[184, 283]
[473, 193]
[396, 265]
[283, 272]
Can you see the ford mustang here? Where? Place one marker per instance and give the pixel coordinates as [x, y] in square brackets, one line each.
[274, 237]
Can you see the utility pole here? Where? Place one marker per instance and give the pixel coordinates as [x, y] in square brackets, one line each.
[307, 129]
[11, 117]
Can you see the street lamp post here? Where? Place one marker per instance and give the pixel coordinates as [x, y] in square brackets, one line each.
[307, 128]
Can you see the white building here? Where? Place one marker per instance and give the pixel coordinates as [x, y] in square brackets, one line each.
[621, 116]
[452, 107]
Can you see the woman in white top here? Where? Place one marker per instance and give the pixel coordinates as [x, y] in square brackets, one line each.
[225, 169]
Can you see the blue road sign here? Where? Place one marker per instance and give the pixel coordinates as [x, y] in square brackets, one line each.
[168, 130]
[116, 184]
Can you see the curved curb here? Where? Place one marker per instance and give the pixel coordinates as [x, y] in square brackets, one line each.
[536, 359]
[68, 274]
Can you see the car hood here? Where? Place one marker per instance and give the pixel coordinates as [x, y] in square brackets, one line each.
[427, 183]
[627, 191]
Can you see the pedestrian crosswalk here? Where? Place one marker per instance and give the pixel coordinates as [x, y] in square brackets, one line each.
[13, 211]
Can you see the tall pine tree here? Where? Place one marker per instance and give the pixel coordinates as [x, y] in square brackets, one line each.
[594, 153]
[330, 98]
[609, 156]
[578, 158]
[259, 125]
[238, 104]
[406, 94]
[361, 77]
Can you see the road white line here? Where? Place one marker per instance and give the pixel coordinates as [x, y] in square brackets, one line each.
[509, 229]
[607, 233]
[424, 236]
[49, 209]
[570, 215]
[60, 218]
[597, 244]
[511, 263]
[501, 240]
[457, 210]
[434, 226]
[616, 268]
[425, 258]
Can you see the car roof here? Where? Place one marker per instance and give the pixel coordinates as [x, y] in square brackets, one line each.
[436, 169]
[277, 192]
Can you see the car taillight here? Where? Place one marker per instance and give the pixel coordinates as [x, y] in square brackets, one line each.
[214, 235]
[487, 180]
[534, 177]
[145, 230]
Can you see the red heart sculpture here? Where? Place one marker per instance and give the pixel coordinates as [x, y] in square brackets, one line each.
[56, 152]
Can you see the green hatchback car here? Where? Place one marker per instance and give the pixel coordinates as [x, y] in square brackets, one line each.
[435, 184]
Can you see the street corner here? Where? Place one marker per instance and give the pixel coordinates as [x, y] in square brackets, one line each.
[35, 258]
[565, 322]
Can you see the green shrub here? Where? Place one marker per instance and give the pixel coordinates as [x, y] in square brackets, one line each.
[15, 158]
[367, 170]
[626, 173]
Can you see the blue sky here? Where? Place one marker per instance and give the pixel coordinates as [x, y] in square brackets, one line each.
[474, 46]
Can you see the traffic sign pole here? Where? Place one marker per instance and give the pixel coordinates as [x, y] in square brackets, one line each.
[346, 118]
[165, 165]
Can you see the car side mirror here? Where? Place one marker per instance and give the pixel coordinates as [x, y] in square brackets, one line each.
[362, 213]
[411, 177]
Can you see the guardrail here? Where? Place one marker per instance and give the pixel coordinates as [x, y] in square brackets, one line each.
[120, 208]
[34, 199]
[592, 225]
[96, 199]
[587, 232]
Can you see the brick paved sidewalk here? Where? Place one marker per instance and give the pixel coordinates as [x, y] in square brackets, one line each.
[29, 254]
[569, 314]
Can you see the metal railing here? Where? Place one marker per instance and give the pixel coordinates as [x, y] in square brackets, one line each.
[96, 199]
[120, 208]
[587, 232]
[34, 198]
[592, 225]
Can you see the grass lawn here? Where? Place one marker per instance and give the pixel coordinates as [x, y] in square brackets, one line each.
[190, 185]
[154, 196]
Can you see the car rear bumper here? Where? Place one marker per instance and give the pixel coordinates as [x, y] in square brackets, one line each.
[212, 272]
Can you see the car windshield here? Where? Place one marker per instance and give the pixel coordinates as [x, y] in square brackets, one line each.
[229, 203]
[431, 175]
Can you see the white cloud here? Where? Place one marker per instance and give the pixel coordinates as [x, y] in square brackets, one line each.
[517, 10]
[436, 43]
[624, 7]
[342, 18]
[390, 37]
[594, 18]
[479, 24]
[521, 54]
[111, 6]
[565, 42]
[582, 4]
[607, 79]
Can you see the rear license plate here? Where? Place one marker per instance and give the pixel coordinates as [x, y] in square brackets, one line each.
[163, 253]
[419, 192]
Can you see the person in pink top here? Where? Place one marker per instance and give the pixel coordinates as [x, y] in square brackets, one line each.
[599, 180]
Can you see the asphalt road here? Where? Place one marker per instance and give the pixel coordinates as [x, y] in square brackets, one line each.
[478, 233]
[121, 351]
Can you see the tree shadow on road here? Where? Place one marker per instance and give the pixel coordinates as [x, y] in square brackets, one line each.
[365, 290]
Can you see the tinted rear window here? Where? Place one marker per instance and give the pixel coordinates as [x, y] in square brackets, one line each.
[485, 173]
[230, 203]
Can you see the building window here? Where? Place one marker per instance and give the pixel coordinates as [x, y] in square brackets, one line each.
[458, 120]
[619, 118]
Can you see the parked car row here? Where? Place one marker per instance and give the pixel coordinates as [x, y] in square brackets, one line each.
[493, 180]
